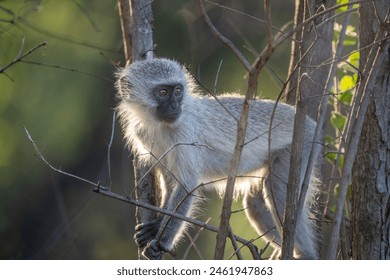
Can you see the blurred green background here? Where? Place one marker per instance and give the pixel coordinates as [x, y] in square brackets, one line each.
[63, 94]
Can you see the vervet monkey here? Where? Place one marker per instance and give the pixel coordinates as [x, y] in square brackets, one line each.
[190, 140]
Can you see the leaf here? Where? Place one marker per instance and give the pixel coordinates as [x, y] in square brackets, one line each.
[329, 139]
[336, 191]
[351, 31]
[344, 8]
[354, 59]
[347, 83]
[331, 156]
[345, 97]
[341, 160]
[338, 120]
[349, 42]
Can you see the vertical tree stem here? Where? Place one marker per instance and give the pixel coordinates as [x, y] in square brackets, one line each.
[136, 23]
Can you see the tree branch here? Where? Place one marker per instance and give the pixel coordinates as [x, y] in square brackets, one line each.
[222, 38]
[98, 188]
[20, 56]
[254, 71]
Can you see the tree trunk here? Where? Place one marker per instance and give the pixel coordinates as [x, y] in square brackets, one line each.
[308, 73]
[311, 48]
[136, 22]
[370, 221]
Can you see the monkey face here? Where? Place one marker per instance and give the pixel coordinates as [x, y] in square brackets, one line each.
[169, 98]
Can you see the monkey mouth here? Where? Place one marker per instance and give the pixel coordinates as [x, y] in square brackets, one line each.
[171, 118]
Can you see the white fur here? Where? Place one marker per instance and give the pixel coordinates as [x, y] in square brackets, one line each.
[198, 147]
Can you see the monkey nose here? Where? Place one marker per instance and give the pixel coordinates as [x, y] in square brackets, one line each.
[174, 105]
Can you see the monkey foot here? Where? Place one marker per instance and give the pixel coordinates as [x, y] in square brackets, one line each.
[153, 251]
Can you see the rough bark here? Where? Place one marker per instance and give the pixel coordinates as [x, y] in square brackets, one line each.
[370, 221]
[136, 22]
[313, 45]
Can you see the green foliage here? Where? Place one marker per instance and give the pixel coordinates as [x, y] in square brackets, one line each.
[338, 120]
[334, 157]
[344, 8]
[354, 59]
[341, 100]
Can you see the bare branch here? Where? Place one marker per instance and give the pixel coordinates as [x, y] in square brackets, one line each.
[287, 35]
[223, 39]
[237, 250]
[216, 77]
[215, 97]
[193, 243]
[197, 145]
[124, 15]
[69, 69]
[280, 30]
[254, 72]
[20, 57]
[40, 155]
[293, 187]
[109, 149]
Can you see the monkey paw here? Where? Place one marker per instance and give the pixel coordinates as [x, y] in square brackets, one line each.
[154, 250]
[146, 232]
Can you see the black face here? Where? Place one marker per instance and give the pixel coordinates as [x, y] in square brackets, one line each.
[169, 99]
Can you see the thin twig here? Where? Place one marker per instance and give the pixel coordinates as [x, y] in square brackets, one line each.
[280, 30]
[282, 38]
[197, 145]
[109, 149]
[237, 250]
[223, 39]
[192, 240]
[20, 57]
[40, 155]
[257, 238]
[217, 76]
[69, 69]
[215, 97]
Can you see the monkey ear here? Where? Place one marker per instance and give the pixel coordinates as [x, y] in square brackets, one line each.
[123, 86]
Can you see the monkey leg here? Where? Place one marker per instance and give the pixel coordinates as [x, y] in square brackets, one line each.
[275, 189]
[261, 218]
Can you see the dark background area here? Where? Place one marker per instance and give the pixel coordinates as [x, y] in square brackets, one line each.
[64, 95]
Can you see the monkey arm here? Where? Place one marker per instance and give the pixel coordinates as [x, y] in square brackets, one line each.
[168, 230]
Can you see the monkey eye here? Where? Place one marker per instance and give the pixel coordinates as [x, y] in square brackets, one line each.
[163, 92]
[177, 91]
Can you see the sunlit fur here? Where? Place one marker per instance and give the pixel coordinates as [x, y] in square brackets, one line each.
[197, 149]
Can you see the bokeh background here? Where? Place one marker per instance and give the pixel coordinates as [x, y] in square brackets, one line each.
[64, 95]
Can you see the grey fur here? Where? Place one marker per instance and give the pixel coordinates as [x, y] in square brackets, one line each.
[197, 148]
